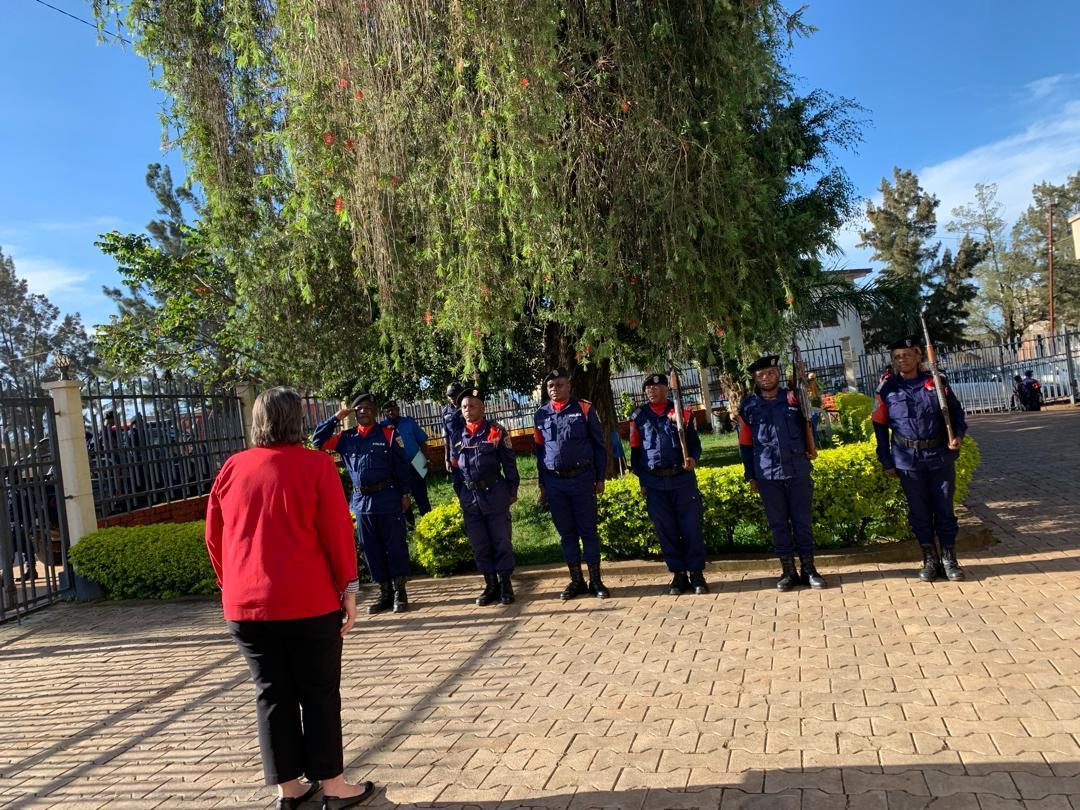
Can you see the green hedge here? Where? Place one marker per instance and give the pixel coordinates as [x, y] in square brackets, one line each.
[855, 502]
[159, 561]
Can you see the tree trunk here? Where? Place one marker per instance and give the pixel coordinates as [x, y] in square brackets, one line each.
[592, 382]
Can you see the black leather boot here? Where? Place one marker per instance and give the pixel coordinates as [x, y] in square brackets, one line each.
[698, 583]
[506, 589]
[401, 599]
[491, 590]
[931, 565]
[679, 584]
[384, 601]
[576, 587]
[952, 569]
[809, 574]
[789, 577]
[596, 585]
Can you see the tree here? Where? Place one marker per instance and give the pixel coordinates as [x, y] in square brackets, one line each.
[1029, 240]
[916, 273]
[33, 336]
[613, 181]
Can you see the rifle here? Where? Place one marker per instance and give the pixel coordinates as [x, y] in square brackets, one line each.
[798, 378]
[676, 394]
[939, 384]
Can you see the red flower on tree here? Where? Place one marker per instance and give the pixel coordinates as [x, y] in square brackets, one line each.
[342, 82]
[359, 95]
[339, 205]
[349, 144]
[523, 81]
[328, 138]
[625, 106]
[427, 317]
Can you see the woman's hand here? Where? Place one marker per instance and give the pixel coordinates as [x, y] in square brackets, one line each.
[348, 607]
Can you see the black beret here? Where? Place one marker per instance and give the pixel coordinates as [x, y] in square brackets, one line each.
[555, 374]
[767, 361]
[390, 403]
[468, 392]
[906, 342]
[362, 398]
[453, 389]
[654, 379]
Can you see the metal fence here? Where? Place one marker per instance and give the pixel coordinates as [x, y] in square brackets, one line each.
[34, 569]
[982, 374]
[157, 441]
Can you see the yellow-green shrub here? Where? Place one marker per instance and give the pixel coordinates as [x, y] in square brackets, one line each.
[440, 546]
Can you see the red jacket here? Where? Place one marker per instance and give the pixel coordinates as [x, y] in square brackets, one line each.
[279, 534]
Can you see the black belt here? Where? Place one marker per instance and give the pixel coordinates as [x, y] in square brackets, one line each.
[572, 472]
[918, 444]
[667, 472]
[483, 483]
[386, 483]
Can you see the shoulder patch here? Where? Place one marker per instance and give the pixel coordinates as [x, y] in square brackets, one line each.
[636, 413]
[507, 440]
[792, 399]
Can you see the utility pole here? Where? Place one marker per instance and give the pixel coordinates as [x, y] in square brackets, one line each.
[1050, 261]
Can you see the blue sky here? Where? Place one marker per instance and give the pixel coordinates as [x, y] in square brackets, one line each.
[960, 91]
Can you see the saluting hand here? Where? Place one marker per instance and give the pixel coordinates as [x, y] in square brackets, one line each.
[342, 413]
[348, 606]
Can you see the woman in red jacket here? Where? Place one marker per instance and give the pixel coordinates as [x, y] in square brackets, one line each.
[281, 541]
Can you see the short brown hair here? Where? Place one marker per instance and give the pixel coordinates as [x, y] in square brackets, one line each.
[277, 418]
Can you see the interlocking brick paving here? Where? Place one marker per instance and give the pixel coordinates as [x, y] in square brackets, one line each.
[881, 692]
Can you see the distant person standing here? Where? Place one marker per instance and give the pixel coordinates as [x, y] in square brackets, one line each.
[452, 422]
[669, 485]
[571, 462]
[1019, 395]
[280, 540]
[414, 438]
[1032, 391]
[486, 481]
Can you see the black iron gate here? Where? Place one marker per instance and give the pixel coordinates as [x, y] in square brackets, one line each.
[34, 542]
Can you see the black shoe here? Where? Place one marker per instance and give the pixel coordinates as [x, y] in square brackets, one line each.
[384, 601]
[506, 589]
[789, 577]
[596, 585]
[576, 587]
[952, 569]
[679, 584]
[809, 574]
[401, 598]
[334, 803]
[931, 565]
[698, 583]
[491, 591]
[284, 803]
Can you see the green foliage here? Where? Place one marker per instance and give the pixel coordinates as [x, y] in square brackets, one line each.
[853, 422]
[159, 561]
[440, 546]
[388, 180]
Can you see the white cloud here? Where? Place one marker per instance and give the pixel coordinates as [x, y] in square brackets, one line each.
[1048, 150]
[1040, 88]
[50, 277]
[99, 223]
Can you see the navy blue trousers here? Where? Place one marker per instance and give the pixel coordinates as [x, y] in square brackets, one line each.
[929, 494]
[573, 511]
[676, 515]
[489, 536]
[418, 488]
[382, 539]
[788, 504]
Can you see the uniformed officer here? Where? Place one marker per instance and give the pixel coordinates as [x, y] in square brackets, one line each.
[571, 462]
[669, 485]
[452, 422]
[375, 459]
[776, 460]
[486, 485]
[920, 454]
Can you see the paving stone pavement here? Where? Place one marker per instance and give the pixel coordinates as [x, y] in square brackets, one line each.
[880, 692]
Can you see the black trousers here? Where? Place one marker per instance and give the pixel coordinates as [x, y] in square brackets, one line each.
[296, 667]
